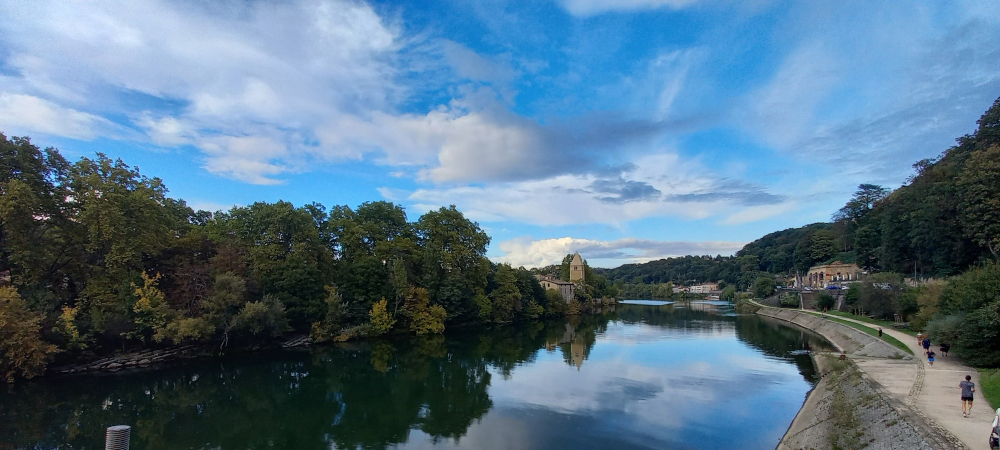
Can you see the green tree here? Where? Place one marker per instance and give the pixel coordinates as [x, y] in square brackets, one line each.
[23, 353]
[150, 308]
[505, 295]
[261, 319]
[454, 261]
[764, 286]
[824, 301]
[423, 317]
[555, 304]
[980, 204]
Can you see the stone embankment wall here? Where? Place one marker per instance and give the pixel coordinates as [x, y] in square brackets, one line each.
[847, 408]
[851, 340]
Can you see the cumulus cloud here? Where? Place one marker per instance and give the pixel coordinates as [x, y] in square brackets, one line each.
[25, 114]
[228, 69]
[531, 252]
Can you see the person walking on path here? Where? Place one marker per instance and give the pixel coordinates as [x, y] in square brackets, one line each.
[926, 344]
[968, 388]
[920, 338]
[944, 348]
[930, 357]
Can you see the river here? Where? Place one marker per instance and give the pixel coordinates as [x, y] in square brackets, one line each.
[681, 376]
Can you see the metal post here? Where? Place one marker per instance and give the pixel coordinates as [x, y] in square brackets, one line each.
[117, 437]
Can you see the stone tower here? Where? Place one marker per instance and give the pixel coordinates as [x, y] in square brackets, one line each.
[576, 272]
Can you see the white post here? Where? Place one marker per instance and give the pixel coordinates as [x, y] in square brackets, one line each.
[117, 437]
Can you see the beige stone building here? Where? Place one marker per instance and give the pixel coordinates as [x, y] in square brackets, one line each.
[565, 288]
[703, 288]
[835, 273]
[576, 269]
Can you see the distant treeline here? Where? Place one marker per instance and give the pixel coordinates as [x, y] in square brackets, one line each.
[95, 257]
[944, 220]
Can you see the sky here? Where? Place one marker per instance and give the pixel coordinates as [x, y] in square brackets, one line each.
[627, 130]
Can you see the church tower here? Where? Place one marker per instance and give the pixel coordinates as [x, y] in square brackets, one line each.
[576, 272]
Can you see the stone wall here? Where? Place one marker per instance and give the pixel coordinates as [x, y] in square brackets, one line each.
[843, 337]
[847, 408]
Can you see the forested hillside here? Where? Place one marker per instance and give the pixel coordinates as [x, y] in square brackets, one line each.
[945, 219]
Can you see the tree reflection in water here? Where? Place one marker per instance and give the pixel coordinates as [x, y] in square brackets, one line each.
[358, 395]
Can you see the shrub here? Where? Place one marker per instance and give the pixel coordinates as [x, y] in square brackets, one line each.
[265, 318]
[423, 317]
[186, 329]
[764, 286]
[22, 351]
[380, 319]
[976, 296]
[824, 301]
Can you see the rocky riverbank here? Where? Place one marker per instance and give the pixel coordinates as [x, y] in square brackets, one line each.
[848, 409]
[152, 357]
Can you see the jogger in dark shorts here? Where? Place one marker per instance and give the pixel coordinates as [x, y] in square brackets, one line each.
[968, 388]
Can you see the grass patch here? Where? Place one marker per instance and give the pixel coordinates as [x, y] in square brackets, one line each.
[989, 381]
[881, 323]
[885, 337]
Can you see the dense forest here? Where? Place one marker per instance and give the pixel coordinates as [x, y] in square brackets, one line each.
[97, 258]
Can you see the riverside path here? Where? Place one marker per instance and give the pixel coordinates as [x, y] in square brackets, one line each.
[933, 390]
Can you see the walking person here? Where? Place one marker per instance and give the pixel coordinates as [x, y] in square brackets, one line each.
[944, 348]
[930, 358]
[968, 388]
[920, 338]
[880, 332]
[926, 344]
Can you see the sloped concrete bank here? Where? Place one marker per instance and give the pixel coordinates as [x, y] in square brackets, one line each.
[849, 409]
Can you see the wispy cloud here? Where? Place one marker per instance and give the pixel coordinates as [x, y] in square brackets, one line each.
[594, 7]
[531, 252]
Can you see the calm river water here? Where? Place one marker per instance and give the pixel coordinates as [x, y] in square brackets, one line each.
[683, 376]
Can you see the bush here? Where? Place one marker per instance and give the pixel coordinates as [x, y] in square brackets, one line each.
[265, 318]
[22, 351]
[824, 301]
[555, 304]
[185, 329]
[945, 329]
[380, 319]
[789, 300]
[975, 295]
[424, 318]
[764, 287]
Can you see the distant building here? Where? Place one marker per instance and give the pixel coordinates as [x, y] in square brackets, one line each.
[565, 288]
[836, 273]
[680, 289]
[576, 269]
[704, 288]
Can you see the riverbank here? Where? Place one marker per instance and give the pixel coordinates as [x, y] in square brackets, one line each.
[867, 400]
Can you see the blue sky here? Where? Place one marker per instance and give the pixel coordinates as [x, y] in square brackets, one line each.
[627, 130]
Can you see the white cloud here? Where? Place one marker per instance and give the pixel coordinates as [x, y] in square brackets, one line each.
[530, 252]
[662, 184]
[223, 70]
[594, 7]
[25, 114]
[760, 212]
